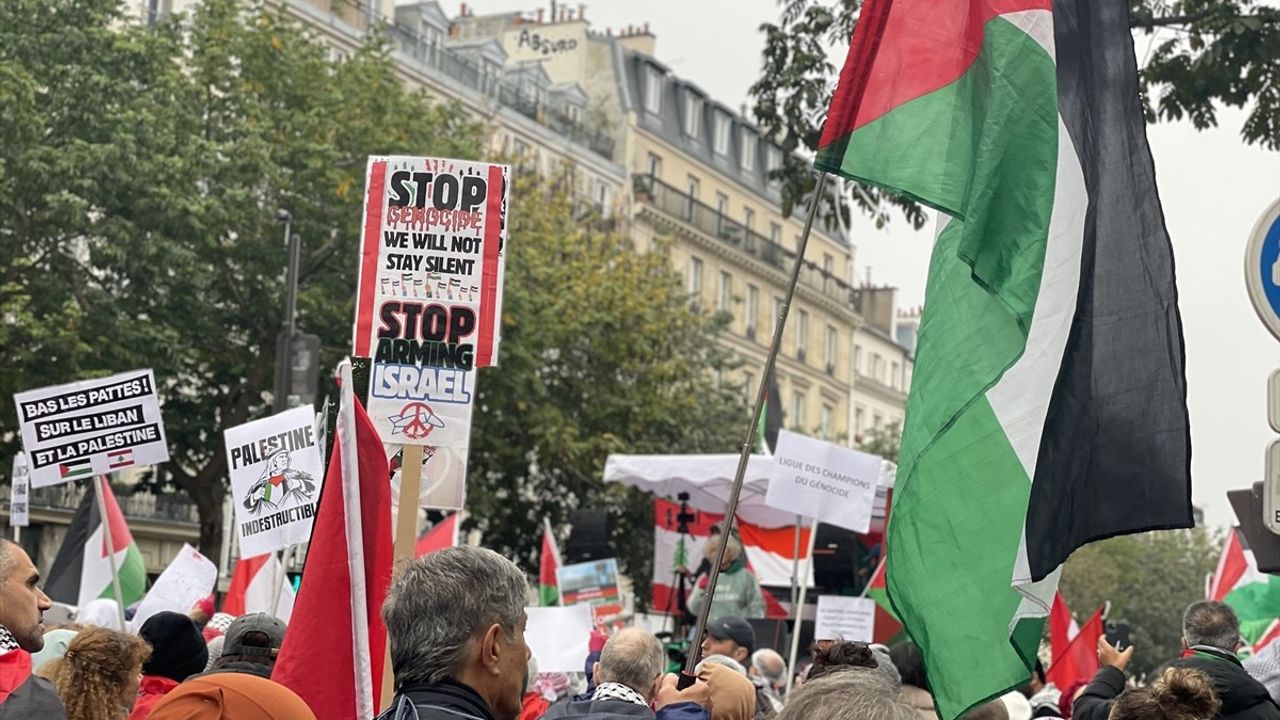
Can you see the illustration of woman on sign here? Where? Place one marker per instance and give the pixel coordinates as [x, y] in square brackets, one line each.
[279, 483]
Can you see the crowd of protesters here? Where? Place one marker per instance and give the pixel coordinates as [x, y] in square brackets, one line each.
[456, 622]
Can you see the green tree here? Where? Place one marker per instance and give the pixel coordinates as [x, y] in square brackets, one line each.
[1149, 579]
[601, 352]
[141, 174]
[1200, 55]
[883, 440]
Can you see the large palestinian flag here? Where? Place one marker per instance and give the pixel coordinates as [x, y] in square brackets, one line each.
[82, 570]
[1047, 408]
[1253, 595]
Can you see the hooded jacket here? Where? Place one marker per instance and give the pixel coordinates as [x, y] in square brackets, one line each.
[737, 593]
[1243, 698]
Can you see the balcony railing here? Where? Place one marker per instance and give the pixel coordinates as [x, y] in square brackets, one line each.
[139, 505]
[680, 205]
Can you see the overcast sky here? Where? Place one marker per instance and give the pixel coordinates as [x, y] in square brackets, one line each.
[1212, 185]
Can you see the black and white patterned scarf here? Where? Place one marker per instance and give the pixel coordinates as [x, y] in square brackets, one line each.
[7, 642]
[618, 691]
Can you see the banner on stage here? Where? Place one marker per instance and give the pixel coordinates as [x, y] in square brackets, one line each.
[91, 427]
[841, 617]
[277, 468]
[558, 637]
[19, 492]
[189, 577]
[429, 299]
[593, 583]
[821, 480]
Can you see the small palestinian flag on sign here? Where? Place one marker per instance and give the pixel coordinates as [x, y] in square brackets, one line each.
[117, 459]
[75, 469]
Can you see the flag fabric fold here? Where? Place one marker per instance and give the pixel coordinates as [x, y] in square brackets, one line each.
[1048, 404]
[334, 652]
[548, 564]
[443, 535]
[1079, 659]
[82, 569]
[251, 586]
[1062, 628]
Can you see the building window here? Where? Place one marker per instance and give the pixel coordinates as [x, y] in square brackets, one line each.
[695, 277]
[802, 332]
[753, 308]
[748, 148]
[857, 359]
[876, 362]
[775, 233]
[824, 422]
[692, 115]
[876, 420]
[726, 291]
[748, 386]
[893, 376]
[652, 89]
[831, 348]
[797, 410]
[772, 161]
[749, 218]
[722, 204]
[858, 415]
[827, 263]
[721, 139]
[694, 187]
[654, 165]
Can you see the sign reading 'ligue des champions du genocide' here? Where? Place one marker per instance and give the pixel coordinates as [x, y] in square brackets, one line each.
[91, 427]
[429, 302]
[276, 472]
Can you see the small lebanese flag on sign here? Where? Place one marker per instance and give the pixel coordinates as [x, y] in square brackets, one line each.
[117, 459]
[75, 469]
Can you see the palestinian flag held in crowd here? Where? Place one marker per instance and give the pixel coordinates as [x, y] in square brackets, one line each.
[1048, 404]
[887, 629]
[1253, 595]
[82, 570]
[549, 563]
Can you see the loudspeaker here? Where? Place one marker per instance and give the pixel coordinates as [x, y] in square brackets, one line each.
[589, 536]
[835, 561]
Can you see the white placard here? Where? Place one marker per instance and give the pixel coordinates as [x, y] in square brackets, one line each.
[187, 579]
[91, 427]
[845, 618]
[558, 637]
[19, 492]
[822, 480]
[276, 472]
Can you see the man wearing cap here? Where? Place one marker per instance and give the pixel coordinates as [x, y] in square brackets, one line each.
[250, 645]
[730, 636]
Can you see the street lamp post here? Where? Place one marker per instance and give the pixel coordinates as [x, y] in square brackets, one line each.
[284, 344]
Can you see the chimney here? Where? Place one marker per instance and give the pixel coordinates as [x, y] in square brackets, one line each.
[568, 14]
[540, 11]
[582, 11]
[463, 10]
[646, 28]
[608, 32]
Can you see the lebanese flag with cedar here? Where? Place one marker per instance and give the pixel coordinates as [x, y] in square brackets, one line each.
[334, 652]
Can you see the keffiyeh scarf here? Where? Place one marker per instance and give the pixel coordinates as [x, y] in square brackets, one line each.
[617, 691]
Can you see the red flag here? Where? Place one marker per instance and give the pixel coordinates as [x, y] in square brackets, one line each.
[1062, 628]
[1232, 566]
[443, 535]
[334, 651]
[548, 564]
[251, 588]
[1079, 661]
[1270, 635]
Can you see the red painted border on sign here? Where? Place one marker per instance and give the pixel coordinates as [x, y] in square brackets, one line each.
[367, 292]
[489, 276]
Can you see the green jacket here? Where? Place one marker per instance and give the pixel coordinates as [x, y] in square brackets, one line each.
[737, 593]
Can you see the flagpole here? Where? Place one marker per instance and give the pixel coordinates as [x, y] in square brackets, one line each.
[98, 482]
[795, 562]
[278, 574]
[770, 360]
[799, 608]
[879, 566]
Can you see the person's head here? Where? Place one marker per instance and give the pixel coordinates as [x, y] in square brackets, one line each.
[279, 461]
[722, 660]
[990, 710]
[459, 613]
[231, 695]
[101, 612]
[254, 638]
[833, 657]
[733, 696]
[910, 663]
[847, 694]
[730, 636]
[770, 666]
[1211, 624]
[732, 551]
[1179, 694]
[884, 664]
[22, 602]
[178, 650]
[632, 657]
[97, 678]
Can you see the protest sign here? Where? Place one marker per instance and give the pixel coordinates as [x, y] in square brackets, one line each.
[429, 300]
[558, 637]
[19, 492]
[444, 478]
[91, 427]
[276, 473]
[189, 577]
[823, 481]
[593, 583]
[845, 618]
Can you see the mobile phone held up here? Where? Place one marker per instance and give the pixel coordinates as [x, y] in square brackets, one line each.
[1118, 634]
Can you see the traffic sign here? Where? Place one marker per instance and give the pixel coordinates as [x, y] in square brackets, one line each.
[1273, 400]
[1262, 268]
